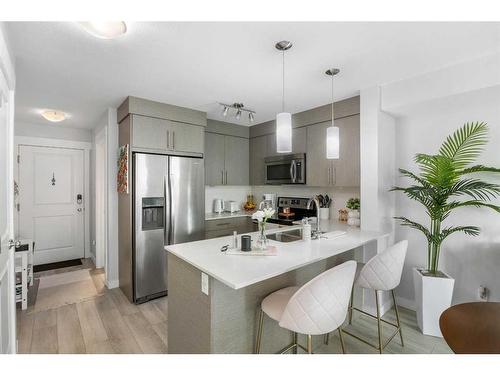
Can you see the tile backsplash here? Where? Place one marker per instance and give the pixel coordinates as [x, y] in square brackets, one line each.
[239, 194]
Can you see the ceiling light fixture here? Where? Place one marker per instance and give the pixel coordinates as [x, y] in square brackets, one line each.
[105, 30]
[332, 132]
[240, 108]
[283, 119]
[54, 116]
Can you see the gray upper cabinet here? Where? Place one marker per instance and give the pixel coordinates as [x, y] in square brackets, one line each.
[236, 160]
[342, 172]
[258, 150]
[347, 167]
[318, 167]
[299, 142]
[214, 159]
[164, 135]
[226, 160]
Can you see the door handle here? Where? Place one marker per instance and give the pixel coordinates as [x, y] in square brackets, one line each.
[13, 243]
[79, 209]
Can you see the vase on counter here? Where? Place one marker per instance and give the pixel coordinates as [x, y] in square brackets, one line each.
[262, 240]
[353, 218]
[324, 213]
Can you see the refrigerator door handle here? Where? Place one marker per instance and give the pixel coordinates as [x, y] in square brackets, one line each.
[168, 198]
[166, 213]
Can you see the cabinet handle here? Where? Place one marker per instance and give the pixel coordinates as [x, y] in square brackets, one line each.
[173, 140]
[226, 178]
[220, 225]
[168, 139]
[222, 173]
[334, 175]
[329, 178]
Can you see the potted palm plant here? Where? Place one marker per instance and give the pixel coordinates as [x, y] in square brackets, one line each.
[446, 182]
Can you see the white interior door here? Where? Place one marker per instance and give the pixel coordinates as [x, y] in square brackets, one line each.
[51, 199]
[7, 279]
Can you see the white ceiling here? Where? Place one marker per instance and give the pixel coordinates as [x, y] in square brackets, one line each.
[60, 66]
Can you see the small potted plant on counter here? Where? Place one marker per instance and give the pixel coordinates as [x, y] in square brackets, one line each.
[353, 205]
[442, 186]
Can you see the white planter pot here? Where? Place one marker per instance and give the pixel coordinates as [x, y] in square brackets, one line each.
[432, 296]
[353, 218]
[324, 213]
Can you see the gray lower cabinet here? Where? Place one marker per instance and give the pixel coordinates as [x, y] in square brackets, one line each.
[164, 135]
[226, 227]
[258, 151]
[226, 160]
[342, 172]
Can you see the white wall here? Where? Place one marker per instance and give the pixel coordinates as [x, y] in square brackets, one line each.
[108, 121]
[53, 131]
[472, 261]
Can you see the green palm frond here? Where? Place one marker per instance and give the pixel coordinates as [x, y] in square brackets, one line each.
[479, 168]
[468, 229]
[465, 145]
[476, 189]
[473, 203]
[413, 224]
[437, 170]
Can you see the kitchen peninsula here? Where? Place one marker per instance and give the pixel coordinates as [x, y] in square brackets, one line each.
[214, 297]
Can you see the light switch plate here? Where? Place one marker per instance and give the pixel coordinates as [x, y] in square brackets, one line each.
[204, 283]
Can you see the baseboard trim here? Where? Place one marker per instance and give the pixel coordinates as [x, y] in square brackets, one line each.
[406, 303]
[112, 284]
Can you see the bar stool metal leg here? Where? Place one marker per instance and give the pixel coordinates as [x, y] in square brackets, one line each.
[327, 338]
[351, 302]
[397, 318]
[259, 332]
[295, 342]
[309, 344]
[342, 345]
[379, 323]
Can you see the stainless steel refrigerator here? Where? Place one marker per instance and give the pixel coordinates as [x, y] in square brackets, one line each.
[168, 208]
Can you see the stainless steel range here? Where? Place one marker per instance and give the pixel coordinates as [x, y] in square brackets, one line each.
[290, 209]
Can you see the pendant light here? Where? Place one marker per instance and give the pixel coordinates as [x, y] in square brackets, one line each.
[283, 119]
[332, 132]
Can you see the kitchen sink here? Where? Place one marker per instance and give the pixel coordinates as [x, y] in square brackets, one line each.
[286, 236]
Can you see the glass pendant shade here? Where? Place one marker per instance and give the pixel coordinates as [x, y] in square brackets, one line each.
[284, 132]
[332, 142]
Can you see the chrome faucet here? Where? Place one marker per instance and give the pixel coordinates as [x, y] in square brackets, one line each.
[316, 233]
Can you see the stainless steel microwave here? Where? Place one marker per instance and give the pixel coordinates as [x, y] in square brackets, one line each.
[286, 169]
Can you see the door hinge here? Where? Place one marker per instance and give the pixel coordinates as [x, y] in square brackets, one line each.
[18, 158]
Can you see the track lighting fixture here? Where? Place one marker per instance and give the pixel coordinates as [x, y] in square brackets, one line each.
[240, 108]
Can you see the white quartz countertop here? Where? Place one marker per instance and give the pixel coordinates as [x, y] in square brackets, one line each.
[239, 271]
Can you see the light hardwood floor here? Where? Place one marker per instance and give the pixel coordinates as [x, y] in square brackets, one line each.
[109, 323]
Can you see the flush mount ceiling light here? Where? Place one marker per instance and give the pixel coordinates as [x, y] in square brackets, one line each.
[54, 116]
[332, 132]
[240, 108]
[283, 119]
[105, 30]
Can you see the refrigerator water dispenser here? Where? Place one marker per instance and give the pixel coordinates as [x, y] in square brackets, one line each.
[152, 213]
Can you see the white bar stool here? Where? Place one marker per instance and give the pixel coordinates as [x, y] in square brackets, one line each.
[382, 272]
[318, 307]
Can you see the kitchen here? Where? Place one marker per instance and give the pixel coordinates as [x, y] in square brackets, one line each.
[201, 220]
